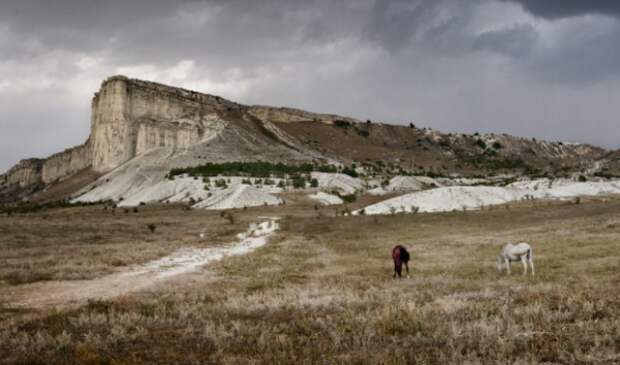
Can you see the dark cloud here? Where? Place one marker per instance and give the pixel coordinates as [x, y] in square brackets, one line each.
[479, 65]
[554, 9]
[514, 41]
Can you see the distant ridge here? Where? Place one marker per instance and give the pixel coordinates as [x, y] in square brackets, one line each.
[153, 127]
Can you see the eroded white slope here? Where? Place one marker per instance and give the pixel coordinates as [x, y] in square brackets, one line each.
[345, 183]
[473, 197]
[238, 196]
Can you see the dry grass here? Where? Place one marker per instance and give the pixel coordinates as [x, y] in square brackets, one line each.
[321, 292]
[87, 242]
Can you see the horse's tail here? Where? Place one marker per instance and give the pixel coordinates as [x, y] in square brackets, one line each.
[529, 254]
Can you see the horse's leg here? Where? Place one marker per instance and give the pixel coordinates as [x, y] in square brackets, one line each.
[532, 264]
[524, 262]
[407, 268]
[507, 262]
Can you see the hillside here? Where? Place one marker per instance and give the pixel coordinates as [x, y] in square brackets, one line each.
[141, 130]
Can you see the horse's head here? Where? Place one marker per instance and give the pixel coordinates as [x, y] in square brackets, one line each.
[499, 264]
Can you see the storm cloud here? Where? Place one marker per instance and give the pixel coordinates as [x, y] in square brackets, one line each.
[545, 69]
[554, 9]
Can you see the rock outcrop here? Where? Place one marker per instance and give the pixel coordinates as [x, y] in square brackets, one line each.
[128, 118]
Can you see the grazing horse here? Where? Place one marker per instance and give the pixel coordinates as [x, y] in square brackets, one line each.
[400, 257]
[518, 252]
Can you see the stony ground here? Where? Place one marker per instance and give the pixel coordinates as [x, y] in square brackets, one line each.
[321, 290]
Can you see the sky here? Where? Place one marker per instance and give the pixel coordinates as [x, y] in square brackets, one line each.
[546, 69]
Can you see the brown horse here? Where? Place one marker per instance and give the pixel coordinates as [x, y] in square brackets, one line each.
[400, 257]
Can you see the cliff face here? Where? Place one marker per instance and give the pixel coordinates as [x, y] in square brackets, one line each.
[130, 117]
[66, 163]
[26, 172]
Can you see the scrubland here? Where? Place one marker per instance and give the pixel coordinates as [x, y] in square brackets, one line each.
[321, 291]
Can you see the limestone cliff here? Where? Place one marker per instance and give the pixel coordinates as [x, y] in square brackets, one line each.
[130, 117]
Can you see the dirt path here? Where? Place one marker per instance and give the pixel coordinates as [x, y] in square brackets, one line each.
[44, 295]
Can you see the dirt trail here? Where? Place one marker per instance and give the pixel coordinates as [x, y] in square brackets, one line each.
[70, 293]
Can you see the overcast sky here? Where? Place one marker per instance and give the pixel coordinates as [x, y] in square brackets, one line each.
[546, 69]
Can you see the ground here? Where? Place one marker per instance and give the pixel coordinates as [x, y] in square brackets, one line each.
[321, 290]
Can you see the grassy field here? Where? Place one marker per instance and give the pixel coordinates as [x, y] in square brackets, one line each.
[321, 291]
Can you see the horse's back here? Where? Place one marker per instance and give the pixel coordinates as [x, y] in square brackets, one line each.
[518, 249]
[400, 253]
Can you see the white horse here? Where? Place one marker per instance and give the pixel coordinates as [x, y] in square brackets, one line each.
[518, 252]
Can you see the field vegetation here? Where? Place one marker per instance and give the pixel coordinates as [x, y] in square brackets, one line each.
[321, 290]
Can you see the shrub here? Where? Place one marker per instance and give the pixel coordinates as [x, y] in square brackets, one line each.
[151, 227]
[582, 178]
[480, 143]
[342, 124]
[497, 145]
[348, 198]
[221, 183]
[299, 182]
[314, 183]
[350, 171]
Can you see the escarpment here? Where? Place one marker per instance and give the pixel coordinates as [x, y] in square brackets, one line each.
[131, 117]
[140, 130]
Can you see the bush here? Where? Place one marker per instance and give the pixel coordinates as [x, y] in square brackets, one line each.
[342, 124]
[221, 183]
[582, 178]
[151, 227]
[350, 171]
[299, 182]
[314, 183]
[480, 143]
[348, 198]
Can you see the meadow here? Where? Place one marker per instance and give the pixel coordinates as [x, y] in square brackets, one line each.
[321, 291]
